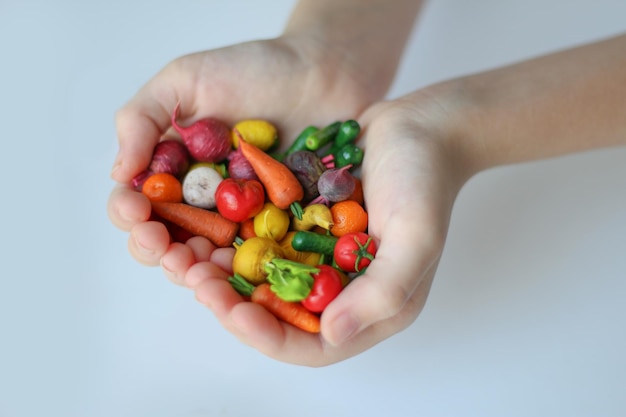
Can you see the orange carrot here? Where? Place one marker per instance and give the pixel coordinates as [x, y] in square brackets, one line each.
[289, 312]
[246, 229]
[281, 185]
[200, 222]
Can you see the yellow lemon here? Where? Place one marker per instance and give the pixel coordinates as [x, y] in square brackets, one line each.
[259, 133]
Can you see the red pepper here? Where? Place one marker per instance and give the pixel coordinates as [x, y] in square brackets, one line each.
[313, 286]
[327, 284]
[239, 199]
[354, 251]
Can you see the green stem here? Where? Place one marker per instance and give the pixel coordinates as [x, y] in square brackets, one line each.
[240, 285]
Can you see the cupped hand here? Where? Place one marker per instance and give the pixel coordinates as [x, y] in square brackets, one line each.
[289, 81]
[411, 178]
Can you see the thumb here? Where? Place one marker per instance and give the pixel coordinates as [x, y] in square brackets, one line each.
[405, 255]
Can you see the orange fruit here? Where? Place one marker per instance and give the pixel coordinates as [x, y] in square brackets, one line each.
[163, 187]
[348, 217]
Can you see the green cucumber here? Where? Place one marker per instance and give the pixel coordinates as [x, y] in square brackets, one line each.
[300, 143]
[306, 241]
[322, 136]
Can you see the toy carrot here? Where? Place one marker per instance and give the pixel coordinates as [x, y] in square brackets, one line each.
[289, 312]
[200, 222]
[281, 185]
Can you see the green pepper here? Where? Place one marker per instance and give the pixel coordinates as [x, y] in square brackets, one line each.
[348, 132]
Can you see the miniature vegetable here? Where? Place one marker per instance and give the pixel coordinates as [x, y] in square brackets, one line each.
[281, 185]
[163, 187]
[348, 155]
[335, 185]
[307, 167]
[291, 313]
[348, 132]
[199, 186]
[354, 251]
[208, 139]
[305, 257]
[271, 222]
[170, 156]
[327, 284]
[213, 226]
[300, 143]
[314, 242]
[239, 167]
[314, 215]
[322, 136]
[348, 217]
[315, 287]
[252, 255]
[259, 133]
[238, 200]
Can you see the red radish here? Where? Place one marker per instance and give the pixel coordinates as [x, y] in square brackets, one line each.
[239, 167]
[335, 184]
[208, 139]
[170, 156]
[139, 179]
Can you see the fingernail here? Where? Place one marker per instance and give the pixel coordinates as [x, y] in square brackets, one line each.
[344, 327]
[116, 164]
[143, 249]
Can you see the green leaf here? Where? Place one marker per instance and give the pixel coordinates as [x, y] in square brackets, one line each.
[289, 280]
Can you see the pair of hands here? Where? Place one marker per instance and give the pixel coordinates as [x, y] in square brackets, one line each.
[409, 174]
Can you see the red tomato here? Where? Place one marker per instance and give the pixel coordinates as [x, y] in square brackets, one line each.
[354, 251]
[239, 199]
[327, 285]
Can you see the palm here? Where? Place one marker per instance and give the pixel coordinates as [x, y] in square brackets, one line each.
[409, 192]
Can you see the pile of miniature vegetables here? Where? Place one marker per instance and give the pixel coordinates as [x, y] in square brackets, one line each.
[296, 218]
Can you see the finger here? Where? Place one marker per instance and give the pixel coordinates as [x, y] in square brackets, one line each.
[251, 323]
[127, 207]
[205, 270]
[201, 248]
[148, 241]
[176, 261]
[205, 251]
[401, 263]
[140, 125]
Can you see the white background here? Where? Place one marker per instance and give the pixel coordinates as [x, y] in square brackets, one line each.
[526, 315]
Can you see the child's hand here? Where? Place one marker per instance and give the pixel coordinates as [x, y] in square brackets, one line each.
[410, 183]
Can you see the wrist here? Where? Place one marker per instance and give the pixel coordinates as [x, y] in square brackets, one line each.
[336, 67]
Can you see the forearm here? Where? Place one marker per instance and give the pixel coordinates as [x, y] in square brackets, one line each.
[569, 101]
[366, 36]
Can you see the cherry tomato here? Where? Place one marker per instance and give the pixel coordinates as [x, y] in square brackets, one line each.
[239, 199]
[354, 251]
[327, 284]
